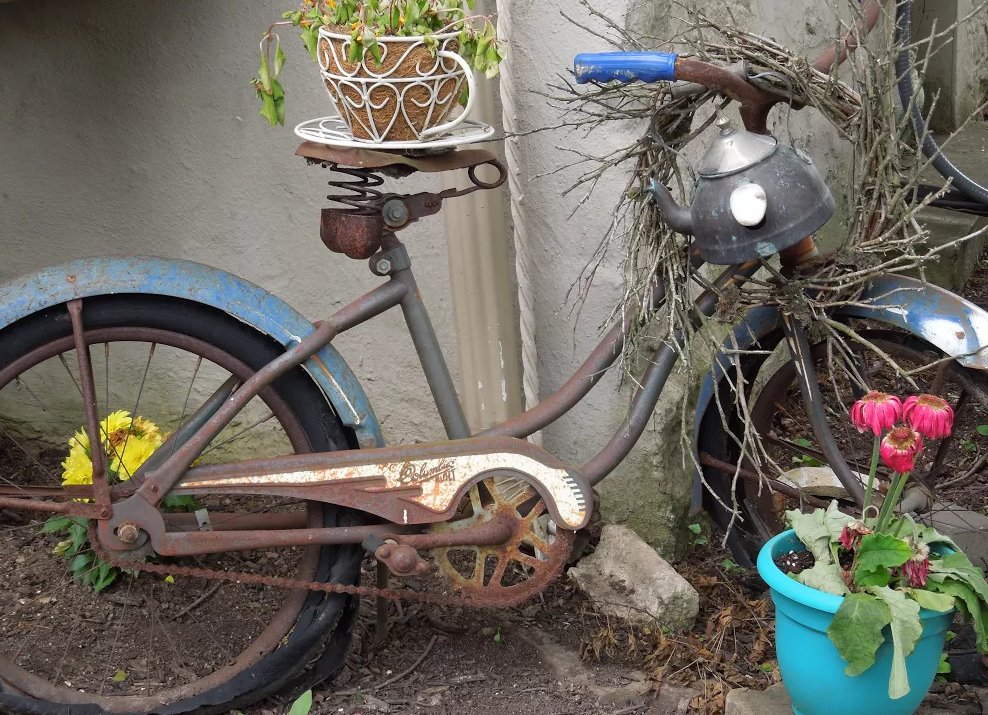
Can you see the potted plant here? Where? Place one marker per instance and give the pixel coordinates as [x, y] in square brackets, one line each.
[394, 69]
[863, 605]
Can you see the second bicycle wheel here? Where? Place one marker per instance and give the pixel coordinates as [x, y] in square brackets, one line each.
[75, 630]
[780, 419]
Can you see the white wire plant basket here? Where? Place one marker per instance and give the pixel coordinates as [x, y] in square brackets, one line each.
[405, 98]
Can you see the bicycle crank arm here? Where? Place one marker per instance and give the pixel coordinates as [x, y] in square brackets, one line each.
[410, 484]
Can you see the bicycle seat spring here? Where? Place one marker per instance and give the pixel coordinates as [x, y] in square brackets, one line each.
[360, 193]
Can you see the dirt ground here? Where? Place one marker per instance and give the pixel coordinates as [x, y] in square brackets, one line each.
[557, 656]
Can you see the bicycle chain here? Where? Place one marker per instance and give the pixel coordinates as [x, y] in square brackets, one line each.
[279, 582]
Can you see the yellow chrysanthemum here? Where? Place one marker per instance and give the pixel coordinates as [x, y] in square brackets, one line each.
[128, 443]
[133, 456]
[77, 467]
[143, 428]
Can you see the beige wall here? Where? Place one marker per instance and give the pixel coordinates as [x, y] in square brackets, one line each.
[138, 133]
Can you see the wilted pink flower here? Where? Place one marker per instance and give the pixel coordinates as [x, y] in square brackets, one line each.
[852, 534]
[929, 415]
[876, 411]
[916, 571]
[899, 449]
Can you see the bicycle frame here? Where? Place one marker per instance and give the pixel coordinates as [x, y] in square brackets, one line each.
[160, 475]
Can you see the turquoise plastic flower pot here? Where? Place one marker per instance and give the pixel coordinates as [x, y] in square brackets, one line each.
[812, 669]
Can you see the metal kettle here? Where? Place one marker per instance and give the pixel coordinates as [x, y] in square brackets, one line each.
[753, 198]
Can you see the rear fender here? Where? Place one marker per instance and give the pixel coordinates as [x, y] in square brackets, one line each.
[956, 326]
[209, 286]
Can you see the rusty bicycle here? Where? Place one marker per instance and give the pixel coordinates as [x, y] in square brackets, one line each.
[165, 502]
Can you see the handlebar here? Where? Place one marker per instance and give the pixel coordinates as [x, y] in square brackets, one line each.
[665, 66]
[625, 66]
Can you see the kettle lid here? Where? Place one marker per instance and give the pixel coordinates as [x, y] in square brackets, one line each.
[734, 150]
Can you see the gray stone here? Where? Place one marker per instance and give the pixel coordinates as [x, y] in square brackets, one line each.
[627, 579]
[744, 701]
[969, 529]
[818, 481]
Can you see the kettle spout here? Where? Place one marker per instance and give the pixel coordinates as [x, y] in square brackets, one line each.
[679, 218]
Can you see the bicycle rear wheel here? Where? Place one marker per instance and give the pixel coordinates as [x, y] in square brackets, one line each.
[73, 630]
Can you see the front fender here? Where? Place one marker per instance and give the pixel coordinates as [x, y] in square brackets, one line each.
[955, 325]
[210, 286]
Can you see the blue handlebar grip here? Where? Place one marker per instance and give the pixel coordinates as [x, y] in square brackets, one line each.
[625, 66]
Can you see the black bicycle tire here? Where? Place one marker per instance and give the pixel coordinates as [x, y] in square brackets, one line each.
[324, 431]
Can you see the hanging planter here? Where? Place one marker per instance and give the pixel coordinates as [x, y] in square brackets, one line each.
[394, 69]
[407, 96]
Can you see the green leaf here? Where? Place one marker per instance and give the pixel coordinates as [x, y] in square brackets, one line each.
[906, 631]
[731, 565]
[959, 566]
[812, 530]
[940, 602]
[881, 550]
[119, 676]
[375, 51]
[803, 442]
[930, 536]
[695, 528]
[79, 536]
[303, 705]
[824, 577]
[982, 430]
[354, 54]
[55, 523]
[269, 111]
[856, 630]
[264, 74]
[62, 547]
[492, 60]
[310, 38]
[879, 577]
[279, 60]
[80, 563]
[836, 520]
[968, 602]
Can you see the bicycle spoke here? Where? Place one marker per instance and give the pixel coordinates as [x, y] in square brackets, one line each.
[30, 456]
[133, 415]
[116, 638]
[20, 381]
[238, 435]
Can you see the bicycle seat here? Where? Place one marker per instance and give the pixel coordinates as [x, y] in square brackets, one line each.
[388, 162]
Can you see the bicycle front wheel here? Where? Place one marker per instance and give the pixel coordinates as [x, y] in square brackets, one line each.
[74, 630]
[948, 468]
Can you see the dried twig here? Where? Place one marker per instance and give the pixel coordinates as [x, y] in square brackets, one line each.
[402, 674]
[199, 601]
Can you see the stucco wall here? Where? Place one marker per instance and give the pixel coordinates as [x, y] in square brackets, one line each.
[650, 491]
[131, 128]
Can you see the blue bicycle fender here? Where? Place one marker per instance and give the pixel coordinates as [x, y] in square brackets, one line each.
[955, 325]
[209, 286]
